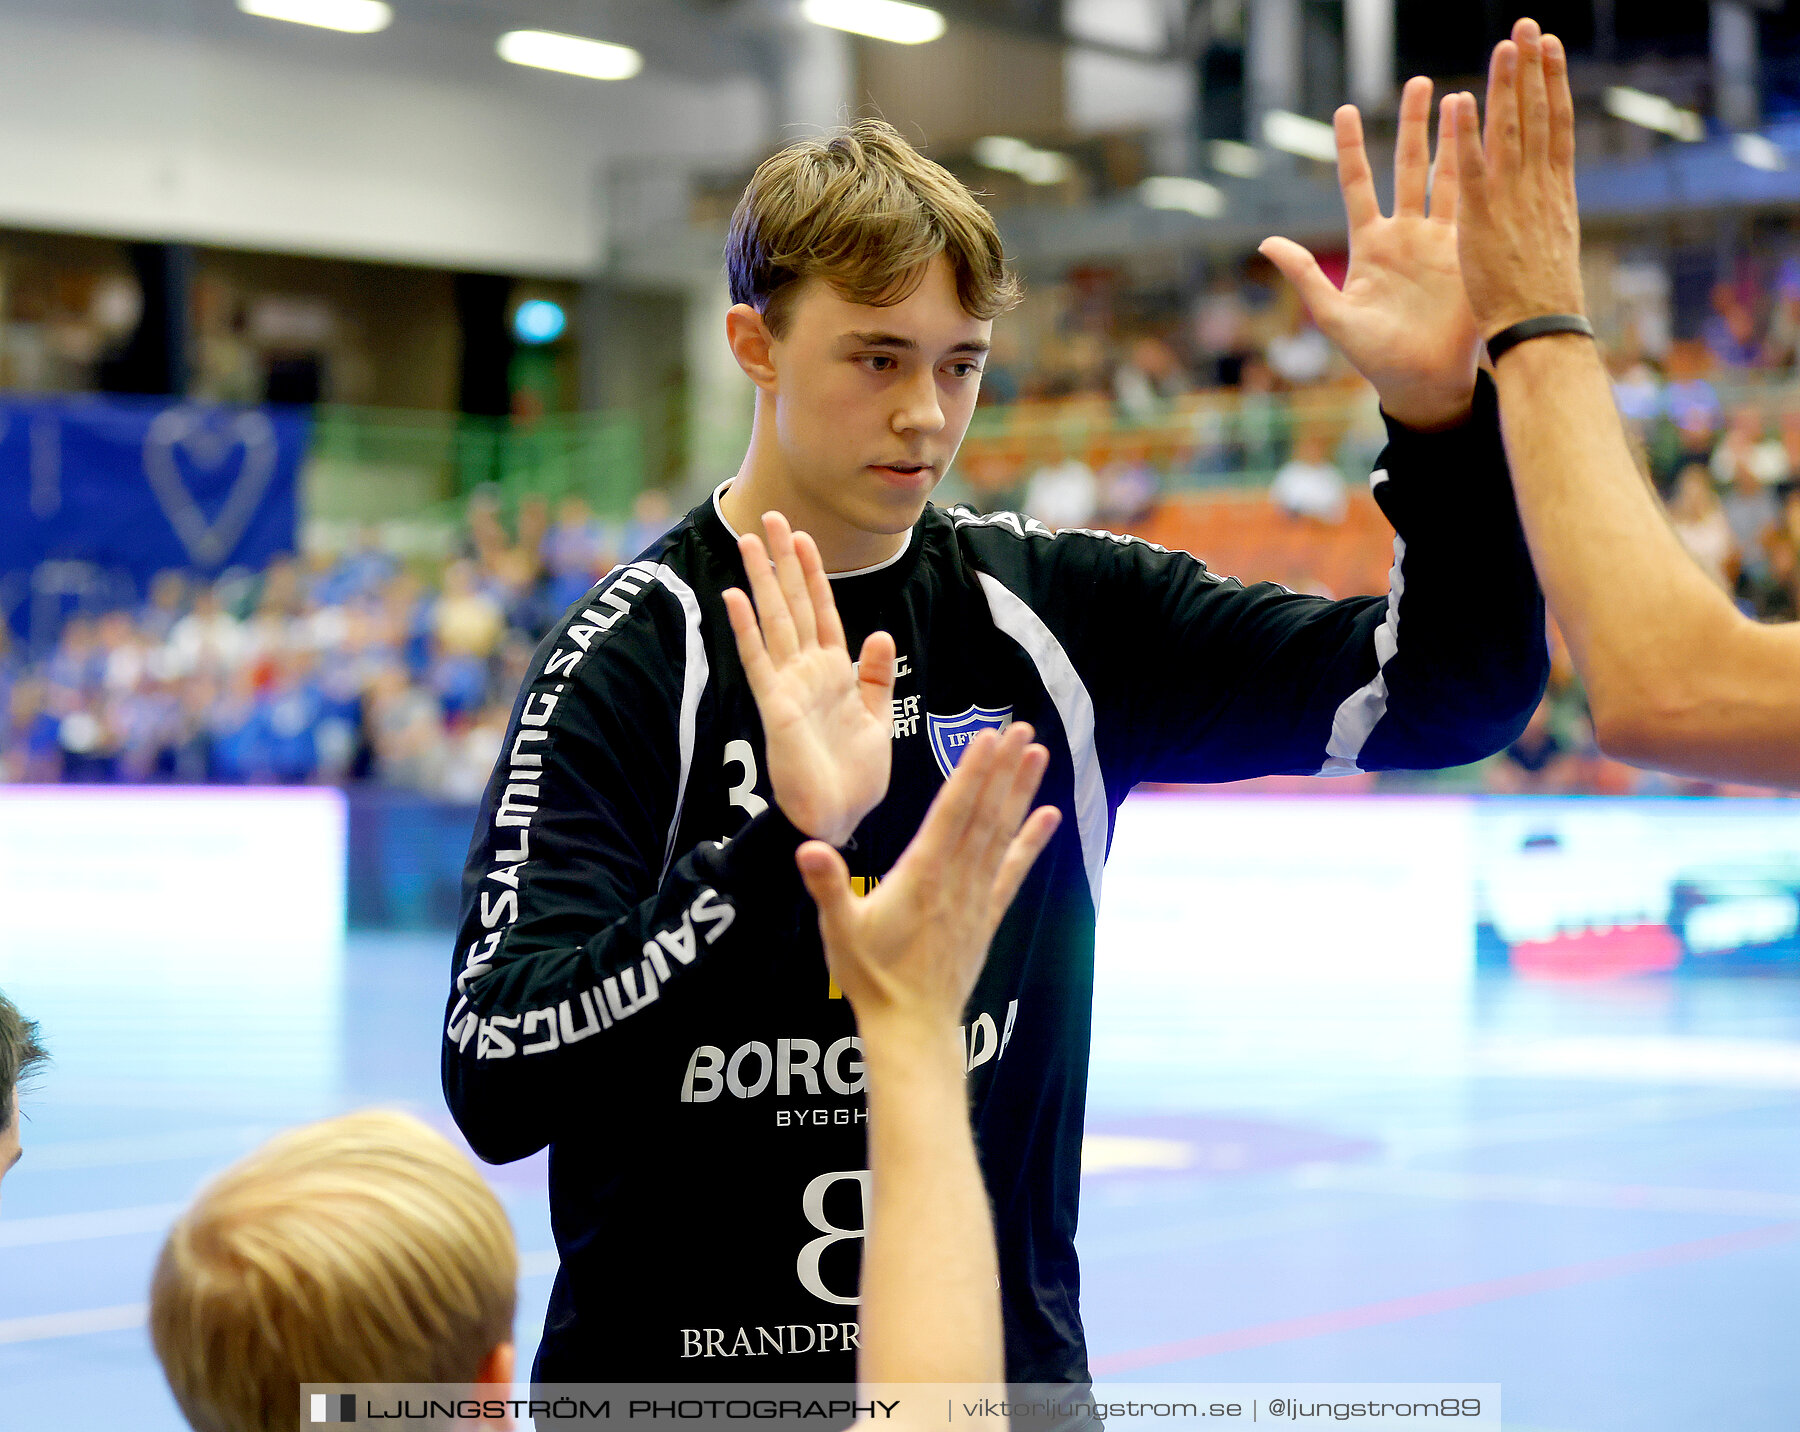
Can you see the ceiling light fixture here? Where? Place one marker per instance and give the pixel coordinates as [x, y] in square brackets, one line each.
[1233, 157]
[1015, 156]
[1192, 196]
[1759, 152]
[1652, 111]
[569, 54]
[892, 20]
[353, 17]
[1296, 134]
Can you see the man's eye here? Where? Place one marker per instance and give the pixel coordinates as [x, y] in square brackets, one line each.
[964, 370]
[879, 362]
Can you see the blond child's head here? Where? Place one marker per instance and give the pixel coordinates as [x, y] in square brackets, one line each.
[361, 1249]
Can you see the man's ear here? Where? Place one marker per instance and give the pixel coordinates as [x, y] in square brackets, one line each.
[751, 343]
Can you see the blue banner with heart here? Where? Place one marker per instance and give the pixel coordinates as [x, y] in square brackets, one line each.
[98, 494]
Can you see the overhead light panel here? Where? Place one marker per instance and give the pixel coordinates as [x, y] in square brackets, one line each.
[1759, 152]
[354, 17]
[1193, 196]
[570, 54]
[1296, 134]
[1015, 156]
[1653, 111]
[1231, 156]
[892, 20]
[1001, 151]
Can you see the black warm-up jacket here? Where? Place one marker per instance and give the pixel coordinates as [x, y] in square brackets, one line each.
[639, 982]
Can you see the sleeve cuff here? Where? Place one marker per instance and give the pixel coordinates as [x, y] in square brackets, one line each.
[1482, 424]
[1455, 476]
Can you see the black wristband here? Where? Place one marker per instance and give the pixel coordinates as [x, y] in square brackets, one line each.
[1509, 338]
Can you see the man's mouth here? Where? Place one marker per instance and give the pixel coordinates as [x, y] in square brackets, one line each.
[903, 470]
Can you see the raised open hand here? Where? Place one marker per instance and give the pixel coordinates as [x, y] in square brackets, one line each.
[911, 950]
[1402, 318]
[1521, 237]
[827, 725]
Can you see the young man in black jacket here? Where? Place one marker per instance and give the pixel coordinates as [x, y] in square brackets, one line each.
[639, 982]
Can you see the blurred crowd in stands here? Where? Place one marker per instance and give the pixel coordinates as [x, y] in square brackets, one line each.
[358, 666]
[335, 668]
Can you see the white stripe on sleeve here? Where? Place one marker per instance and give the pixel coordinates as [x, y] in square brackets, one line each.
[1073, 705]
[1356, 719]
[693, 681]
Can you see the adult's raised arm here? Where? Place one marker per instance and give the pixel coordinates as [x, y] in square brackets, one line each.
[1676, 676]
[907, 957]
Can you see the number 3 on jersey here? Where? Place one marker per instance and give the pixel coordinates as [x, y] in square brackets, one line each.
[743, 795]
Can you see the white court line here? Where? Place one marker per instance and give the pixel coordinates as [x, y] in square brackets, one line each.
[68, 1325]
[74, 1227]
[145, 1148]
[1541, 1126]
[1650, 1059]
[1117, 1153]
[1552, 1192]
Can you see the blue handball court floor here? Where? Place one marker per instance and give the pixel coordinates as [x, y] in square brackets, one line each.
[1323, 1146]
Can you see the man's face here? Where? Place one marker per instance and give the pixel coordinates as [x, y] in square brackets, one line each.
[9, 1139]
[872, 403]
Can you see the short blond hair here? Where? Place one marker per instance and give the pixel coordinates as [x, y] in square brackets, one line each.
[360, 1249]
[865, 211]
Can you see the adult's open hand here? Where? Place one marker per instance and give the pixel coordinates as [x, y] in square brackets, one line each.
[908, 954]
[1401, 318]
[827, 725]
[1520, 233]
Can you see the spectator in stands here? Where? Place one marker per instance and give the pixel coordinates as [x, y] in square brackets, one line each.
[1750, 510]
[1222, 334]
[472, 754]
[208, 639]
[20, 1055]
[291, 709]
[1129, 486]
[1689, 399]
[1264, 426]
[1063, 492]
[167, 604]
[1745, 448]
[1700, 522]
[1788, 435]
[574, 551]
[1637, 387]
[1149, 378]
[1674, 445]
[274, 626]
[30, 752]
[406, 732]
[468, 625]
[1779, 600]
[1781, 344]
[652, 515]
[1300, 355]
[1731, 332]
[1309, 484]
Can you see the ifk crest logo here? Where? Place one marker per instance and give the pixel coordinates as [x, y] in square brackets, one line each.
[950, 735]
